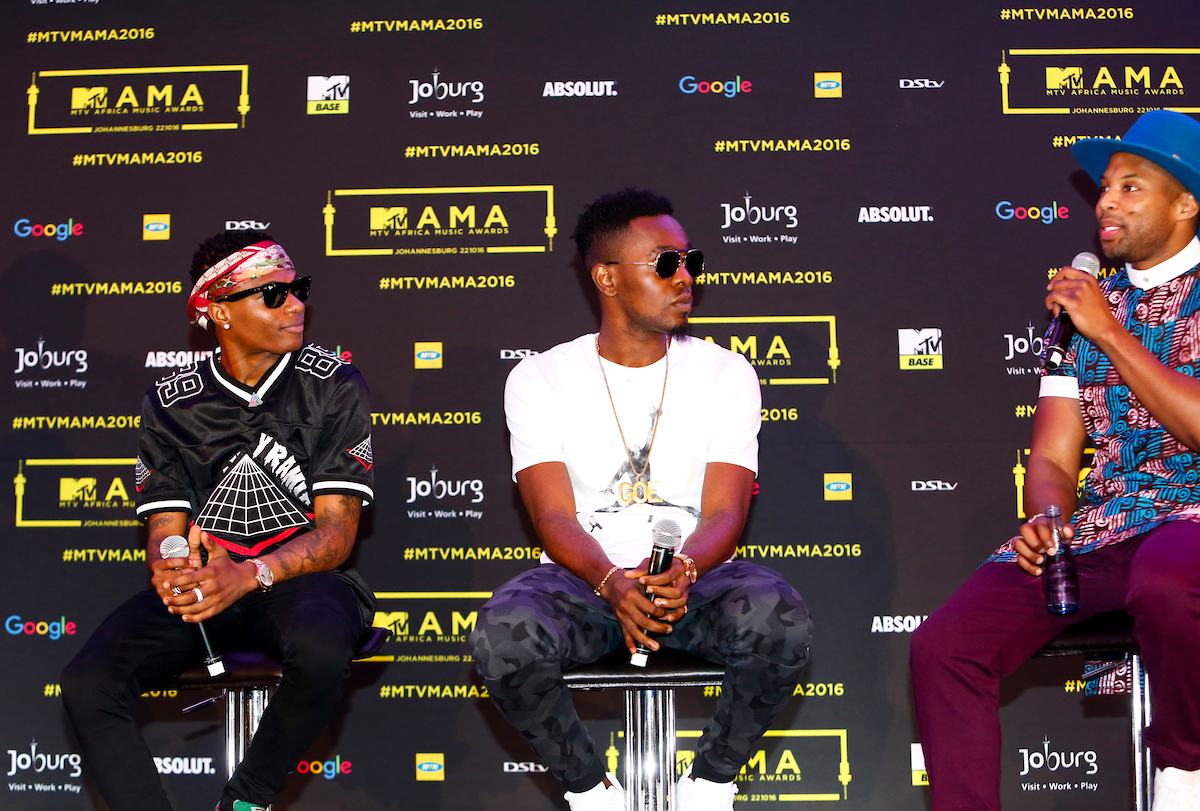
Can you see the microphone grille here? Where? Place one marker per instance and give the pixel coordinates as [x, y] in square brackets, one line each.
[666, 533]
[1088, 262]
[173, 546]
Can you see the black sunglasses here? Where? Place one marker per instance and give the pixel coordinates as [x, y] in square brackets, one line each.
[275, 293]
[667, 263]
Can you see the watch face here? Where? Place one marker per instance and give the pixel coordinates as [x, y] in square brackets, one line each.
[265, 575]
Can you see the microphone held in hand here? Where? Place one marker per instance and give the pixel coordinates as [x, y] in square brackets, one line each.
[1058, 339]
[666, 535]
[176, 546]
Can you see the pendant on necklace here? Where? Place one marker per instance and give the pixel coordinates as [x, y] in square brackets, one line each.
[639, 492]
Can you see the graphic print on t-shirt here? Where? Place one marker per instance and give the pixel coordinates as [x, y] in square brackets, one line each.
[260, 499]
[362, 452]
[640, 489]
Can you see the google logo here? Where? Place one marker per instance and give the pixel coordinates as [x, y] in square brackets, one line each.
[731, 88]
[330, 768]
[1047, 214]
[59, 231]
[54, 630]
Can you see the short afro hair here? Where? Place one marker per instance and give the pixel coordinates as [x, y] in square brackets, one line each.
[610, 214]
[216, 248]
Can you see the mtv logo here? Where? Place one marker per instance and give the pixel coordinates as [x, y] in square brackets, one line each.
[77, 489]
[88, 97]
[920, 341]
[1064, 78]
[328, 88]
[385, 218]
[395, 621]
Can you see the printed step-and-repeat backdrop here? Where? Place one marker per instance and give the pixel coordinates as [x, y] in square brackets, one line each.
[881, 189]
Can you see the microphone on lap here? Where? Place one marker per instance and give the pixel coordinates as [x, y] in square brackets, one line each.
[176, 546]
[1058, 339]
[666, 535]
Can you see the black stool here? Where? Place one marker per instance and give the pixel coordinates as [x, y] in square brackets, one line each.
[649, 778]
[246, 686]
[1110, 636]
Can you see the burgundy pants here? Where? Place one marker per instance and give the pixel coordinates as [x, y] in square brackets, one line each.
[998, 619]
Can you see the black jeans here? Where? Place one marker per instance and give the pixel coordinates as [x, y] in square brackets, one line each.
[546, 620]
[312, 624]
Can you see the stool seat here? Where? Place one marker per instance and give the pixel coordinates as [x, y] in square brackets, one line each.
[1110, 636]
[245, 686]
[1107, 633]
[665, 668]
[649, 778]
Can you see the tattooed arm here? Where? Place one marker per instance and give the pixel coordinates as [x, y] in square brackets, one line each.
[223, 581]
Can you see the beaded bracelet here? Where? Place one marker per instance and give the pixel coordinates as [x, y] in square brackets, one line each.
[605, 580]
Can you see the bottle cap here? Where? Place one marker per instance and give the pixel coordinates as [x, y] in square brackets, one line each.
[1053, 511]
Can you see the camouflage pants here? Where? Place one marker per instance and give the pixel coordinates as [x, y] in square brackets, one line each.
[546, 620]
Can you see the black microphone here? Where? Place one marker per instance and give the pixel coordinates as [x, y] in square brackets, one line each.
[176, 546]
[666, 536]
[1058, 338]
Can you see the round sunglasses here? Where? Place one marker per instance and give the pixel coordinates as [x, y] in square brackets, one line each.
[667, 263]
[275, 293]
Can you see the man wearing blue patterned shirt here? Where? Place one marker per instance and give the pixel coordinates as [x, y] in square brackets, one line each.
[1128, 384]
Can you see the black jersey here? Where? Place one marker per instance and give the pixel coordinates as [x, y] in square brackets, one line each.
[247, 463]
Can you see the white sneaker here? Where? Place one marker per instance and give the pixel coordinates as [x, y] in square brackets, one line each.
[599, 797]
[1176, 790]
[703, 795]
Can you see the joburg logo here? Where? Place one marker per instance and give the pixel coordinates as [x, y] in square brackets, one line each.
[192, 97]
[156, 226]
[46, 359]
[895, 214]
[53, 629]
[910, 84]
[579, 89]
[427, 355]
[470, 92]
[827, 85]
[1029, 343]
[40, 762]
[436, 488]
[754, 215]
[920, 348]
[1047, 213]
[328, 95]
[1050, 760]
[60, 231]
[728, 88]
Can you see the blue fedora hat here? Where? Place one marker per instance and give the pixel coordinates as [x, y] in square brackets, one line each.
[1170, 139]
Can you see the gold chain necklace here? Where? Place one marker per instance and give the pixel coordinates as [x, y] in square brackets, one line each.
[657, 419]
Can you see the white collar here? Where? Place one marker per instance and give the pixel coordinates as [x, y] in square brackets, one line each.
[1167, 269]
[253, 398]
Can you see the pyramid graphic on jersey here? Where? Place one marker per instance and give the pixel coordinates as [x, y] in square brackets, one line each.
[247, 503]
[362, 452]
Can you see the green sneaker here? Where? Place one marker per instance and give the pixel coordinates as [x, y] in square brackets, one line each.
[242, 805]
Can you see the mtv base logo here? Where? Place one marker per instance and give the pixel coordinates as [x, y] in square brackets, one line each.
[920, 348]
[328, 95]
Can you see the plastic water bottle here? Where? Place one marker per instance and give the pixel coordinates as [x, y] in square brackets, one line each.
[1059, 580]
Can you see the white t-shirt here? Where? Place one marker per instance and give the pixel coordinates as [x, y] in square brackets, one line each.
[558, 411]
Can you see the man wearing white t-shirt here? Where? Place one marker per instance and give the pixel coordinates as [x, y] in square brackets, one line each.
[611, 433]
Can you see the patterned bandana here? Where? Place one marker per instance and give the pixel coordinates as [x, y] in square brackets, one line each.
[250, 262]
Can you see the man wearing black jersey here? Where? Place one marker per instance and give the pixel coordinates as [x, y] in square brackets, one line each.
[261, 457]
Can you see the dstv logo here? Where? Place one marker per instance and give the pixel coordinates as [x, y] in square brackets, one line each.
[933, 484]
[909, 84]
[427, 355]
[246, 225]
[517, 354]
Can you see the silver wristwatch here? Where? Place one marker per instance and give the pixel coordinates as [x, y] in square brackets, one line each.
[263, 574]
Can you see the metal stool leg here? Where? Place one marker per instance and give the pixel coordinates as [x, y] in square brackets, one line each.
[1143, 766]
[244, 708]
[649, 749]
